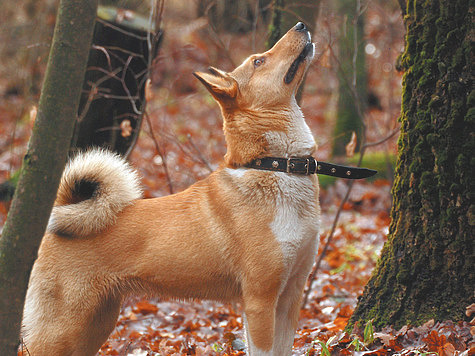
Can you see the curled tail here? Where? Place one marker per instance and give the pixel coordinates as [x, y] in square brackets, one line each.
[96, 185]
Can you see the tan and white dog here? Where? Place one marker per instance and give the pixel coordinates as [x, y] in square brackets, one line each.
[240, 235]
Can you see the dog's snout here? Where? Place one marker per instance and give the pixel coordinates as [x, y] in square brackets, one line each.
[300, 26]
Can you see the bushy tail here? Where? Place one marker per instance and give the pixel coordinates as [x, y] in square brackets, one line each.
[96, 185]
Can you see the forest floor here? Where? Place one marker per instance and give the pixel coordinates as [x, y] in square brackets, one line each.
[184, 123]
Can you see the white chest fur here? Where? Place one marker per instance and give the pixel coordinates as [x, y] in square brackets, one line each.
[297, 219]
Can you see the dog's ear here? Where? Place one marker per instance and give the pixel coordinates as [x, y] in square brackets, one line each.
[220, 84]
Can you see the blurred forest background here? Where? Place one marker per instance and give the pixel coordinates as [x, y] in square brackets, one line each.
[185, 122]
[354, 77]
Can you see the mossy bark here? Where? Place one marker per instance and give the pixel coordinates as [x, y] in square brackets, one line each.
[352, 77]
[426, 269]
[43, 162]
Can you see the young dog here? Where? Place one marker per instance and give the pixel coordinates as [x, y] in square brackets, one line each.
[243, 234]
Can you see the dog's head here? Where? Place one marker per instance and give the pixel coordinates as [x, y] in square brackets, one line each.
[259, 95]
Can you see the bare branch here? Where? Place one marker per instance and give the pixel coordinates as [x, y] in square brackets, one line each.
[160, 153]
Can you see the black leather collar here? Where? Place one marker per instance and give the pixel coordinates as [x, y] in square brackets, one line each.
[309, 165]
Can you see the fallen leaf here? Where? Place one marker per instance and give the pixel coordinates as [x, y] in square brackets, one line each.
[447, 350]
[144, 307]
[384, 337]
[435, 342]
[351, 146]
[126, 128]
[149, 94]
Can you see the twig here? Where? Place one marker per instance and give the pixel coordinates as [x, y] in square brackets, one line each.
[383, 140]
[160, 153]
[200, 155]
[199, 158]
[217, 40]
[23, 345]
[106, 54]
[93, 92]
[126, 89]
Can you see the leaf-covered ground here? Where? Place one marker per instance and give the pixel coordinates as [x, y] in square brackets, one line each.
[181, 142]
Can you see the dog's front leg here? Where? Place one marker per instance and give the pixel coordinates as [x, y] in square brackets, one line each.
[287, 314]
[290, 300]
[259, 321]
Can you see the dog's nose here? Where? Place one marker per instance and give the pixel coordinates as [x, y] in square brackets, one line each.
[300, 26]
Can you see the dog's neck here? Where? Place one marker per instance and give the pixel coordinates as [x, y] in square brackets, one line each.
[278, 132]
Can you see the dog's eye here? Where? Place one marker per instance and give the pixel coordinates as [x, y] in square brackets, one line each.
[258, 61]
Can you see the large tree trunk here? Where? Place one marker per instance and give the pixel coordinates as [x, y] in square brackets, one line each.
[426, 270]
[352, 77]
[43, 163]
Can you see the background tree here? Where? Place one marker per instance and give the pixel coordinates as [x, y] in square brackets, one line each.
[43, 162]
[285, 15]
[352, 76]
[234, 16]
[112, 102]
[426, 266]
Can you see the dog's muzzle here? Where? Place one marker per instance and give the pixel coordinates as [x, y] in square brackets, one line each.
[306, 52]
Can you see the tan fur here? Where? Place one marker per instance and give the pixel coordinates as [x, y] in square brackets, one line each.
[119, 187]
[240, 235]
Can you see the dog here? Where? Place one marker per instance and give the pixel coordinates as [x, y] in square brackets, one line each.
[243, 234]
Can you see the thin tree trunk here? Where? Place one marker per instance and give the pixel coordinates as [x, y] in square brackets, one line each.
[352, 76]
[43, 162]
[426, 270]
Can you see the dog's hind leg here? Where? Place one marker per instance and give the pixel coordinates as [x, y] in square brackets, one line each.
[99, 326]
[65, 317]
[70, 330]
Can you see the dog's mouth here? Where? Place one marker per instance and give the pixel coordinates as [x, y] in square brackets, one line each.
[289, 77]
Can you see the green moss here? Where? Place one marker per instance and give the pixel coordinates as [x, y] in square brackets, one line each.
[471, 98]
[427, 185]
[470, 117]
